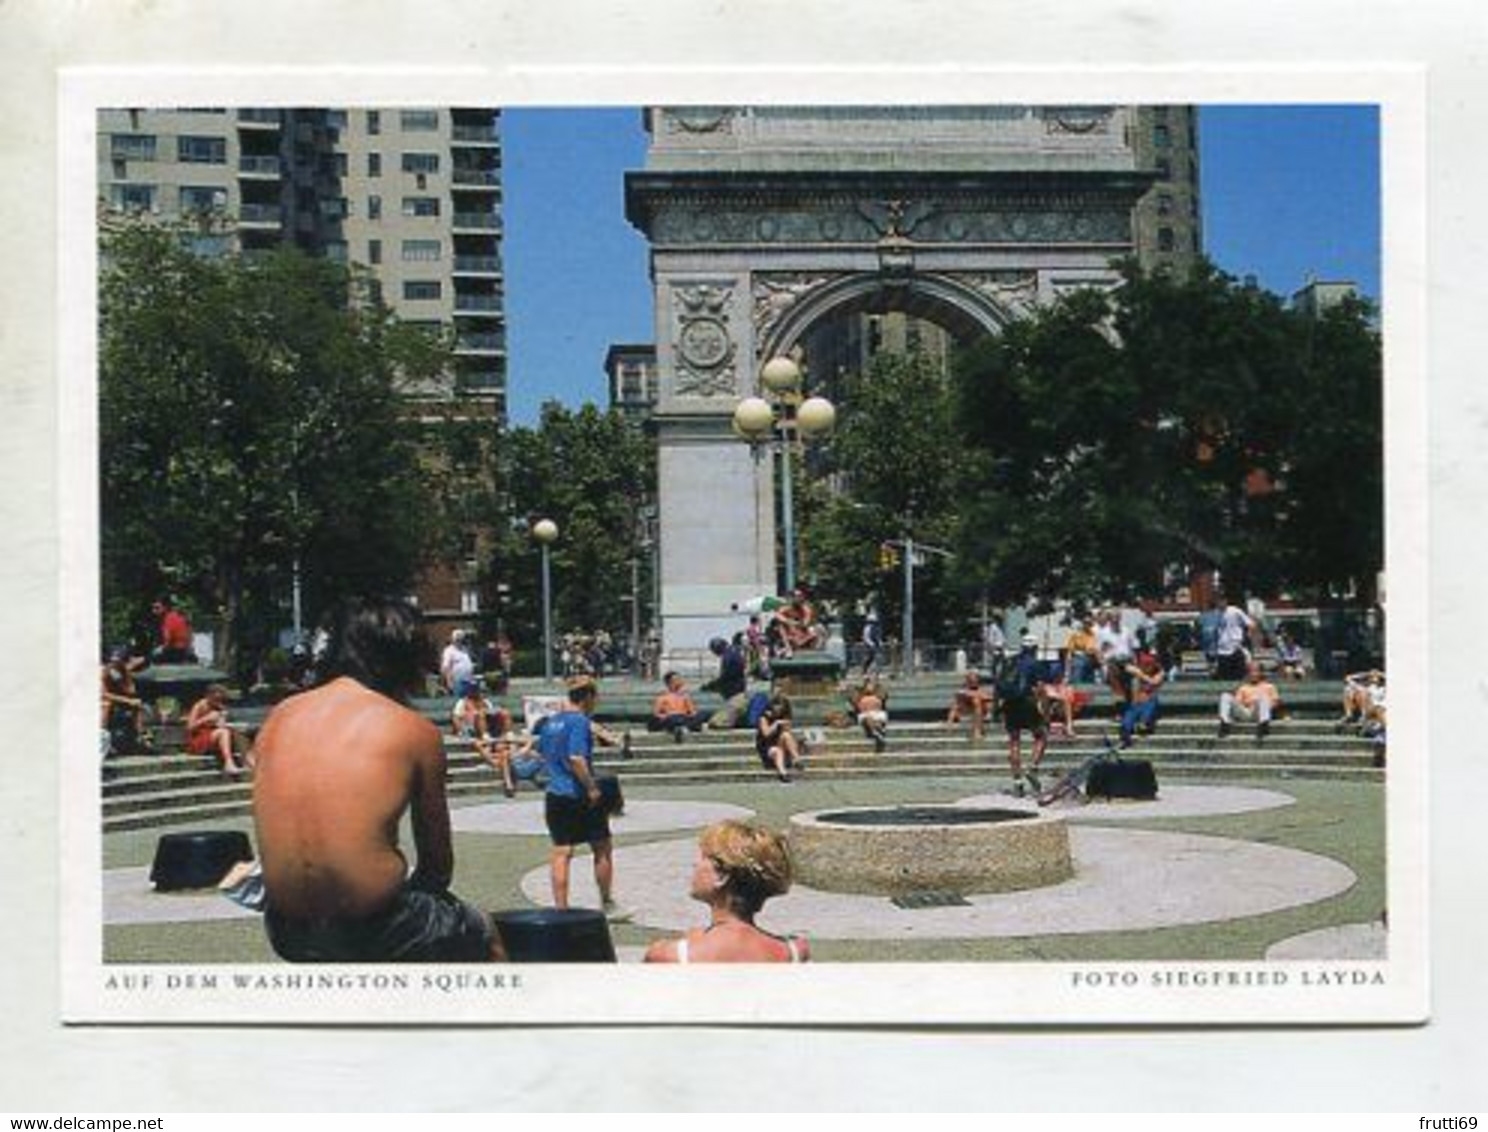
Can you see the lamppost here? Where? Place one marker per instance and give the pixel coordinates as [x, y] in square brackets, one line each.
[545, 531]
[784, 419]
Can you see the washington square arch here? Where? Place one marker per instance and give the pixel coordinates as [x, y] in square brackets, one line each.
[767, 223]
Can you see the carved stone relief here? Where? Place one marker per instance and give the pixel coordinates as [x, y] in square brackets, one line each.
[871, 222]
[704, 349]
[1013, 291]
[776, 293]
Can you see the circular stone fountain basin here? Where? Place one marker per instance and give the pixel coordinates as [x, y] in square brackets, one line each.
[896, 850]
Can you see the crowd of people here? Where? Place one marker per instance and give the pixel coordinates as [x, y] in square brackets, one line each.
[340, 762]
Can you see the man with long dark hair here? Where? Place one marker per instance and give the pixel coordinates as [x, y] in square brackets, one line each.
[337, 767]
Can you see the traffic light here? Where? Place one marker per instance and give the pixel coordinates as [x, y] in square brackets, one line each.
[888, 557]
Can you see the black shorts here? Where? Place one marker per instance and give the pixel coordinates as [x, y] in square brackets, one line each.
[1021, 713]
[418, 927]
[573, 821]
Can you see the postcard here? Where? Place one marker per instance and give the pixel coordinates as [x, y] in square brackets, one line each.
[960, 587]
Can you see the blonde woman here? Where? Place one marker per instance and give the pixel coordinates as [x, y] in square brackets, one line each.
[739, 866]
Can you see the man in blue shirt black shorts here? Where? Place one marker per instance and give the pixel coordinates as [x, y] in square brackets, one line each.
[572, 803]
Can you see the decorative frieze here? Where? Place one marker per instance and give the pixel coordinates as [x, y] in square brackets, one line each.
[775, 293]
[871, 221]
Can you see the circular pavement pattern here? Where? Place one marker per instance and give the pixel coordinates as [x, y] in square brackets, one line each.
[640, 817]
[1125, 880]
[1171, 802]
[1346, 941]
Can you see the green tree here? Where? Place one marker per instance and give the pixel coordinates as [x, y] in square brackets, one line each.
[892, 469]
[251, 414]
[1176, 423]
[591, 472]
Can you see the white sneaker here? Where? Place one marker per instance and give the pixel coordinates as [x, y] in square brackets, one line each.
[616, 914]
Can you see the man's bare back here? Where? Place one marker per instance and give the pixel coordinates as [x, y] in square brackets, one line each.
[336, 768]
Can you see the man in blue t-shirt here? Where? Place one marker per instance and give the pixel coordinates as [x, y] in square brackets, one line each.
[573, 804]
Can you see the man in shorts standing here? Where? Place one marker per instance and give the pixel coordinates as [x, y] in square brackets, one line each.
[573, 806]
[337, 767]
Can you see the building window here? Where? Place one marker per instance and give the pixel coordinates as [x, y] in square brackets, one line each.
[421, 251]
[469, 599]
[422, 289]
[194, 150]
[1165, 204]
[374, 122]
[202, 198]
[374, 165]
[1165, 239]
[1160, 113]
[1162, 137]
[1165, 168]
[420, 206]
[374, 208]
[139, 198]
[421, 163]
[335, 119]
[412, 120]
[334, 208]
[374, 252]
[335, 251]
[132, 147]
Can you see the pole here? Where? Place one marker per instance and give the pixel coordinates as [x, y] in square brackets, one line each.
[294, 597]
[635, 616]
[547, 616]
[909, 663]
[788, 506]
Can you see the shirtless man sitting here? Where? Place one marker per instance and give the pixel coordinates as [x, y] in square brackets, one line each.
[337, 768]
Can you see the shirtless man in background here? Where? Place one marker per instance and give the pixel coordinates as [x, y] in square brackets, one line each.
[337, 768]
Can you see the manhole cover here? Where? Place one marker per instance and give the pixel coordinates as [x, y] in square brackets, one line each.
[931, 899]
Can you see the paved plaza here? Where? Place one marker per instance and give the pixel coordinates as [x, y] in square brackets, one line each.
[1239, 870]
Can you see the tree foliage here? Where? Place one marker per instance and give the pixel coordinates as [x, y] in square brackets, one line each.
[1173, 425]
[591, 472]
[251, 413]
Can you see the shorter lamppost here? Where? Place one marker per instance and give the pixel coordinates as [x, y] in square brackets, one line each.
[545, 531]
[783, 419]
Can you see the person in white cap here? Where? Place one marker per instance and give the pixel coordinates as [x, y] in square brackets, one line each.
[1017, 690]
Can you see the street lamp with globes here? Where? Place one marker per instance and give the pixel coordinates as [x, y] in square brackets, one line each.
[545, 531]
[784, 419]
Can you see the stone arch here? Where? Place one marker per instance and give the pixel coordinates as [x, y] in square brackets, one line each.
[963, 308]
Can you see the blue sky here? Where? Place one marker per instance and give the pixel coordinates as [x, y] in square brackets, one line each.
[1288, 192]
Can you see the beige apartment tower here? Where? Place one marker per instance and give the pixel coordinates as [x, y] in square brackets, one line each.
[413, 194]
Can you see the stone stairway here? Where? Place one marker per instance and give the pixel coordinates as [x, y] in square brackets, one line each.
[171, 789]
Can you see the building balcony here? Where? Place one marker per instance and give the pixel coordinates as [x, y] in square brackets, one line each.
[480, 344]
[481, 178]
[260, 216]
[480, 221]
[478, 303]
[272, 119]
[486, 134]
[477, 265]
[260, 167]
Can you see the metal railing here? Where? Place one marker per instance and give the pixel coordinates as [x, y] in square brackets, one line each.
[486, 221]
[484, 343]
[477, 302]
[478, 264]
[264, 166]
[475, 133]
[259, 214]
[487, 177]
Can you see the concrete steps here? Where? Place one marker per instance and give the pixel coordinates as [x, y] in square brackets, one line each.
[159, 790]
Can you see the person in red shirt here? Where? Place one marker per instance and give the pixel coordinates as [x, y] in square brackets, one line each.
[175, 634]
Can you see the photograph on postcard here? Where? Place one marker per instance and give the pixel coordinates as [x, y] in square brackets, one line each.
[935, 548]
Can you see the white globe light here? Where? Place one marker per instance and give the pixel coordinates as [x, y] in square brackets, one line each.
[545, 530]
[780, 375]
[816, 415]
[753, 418]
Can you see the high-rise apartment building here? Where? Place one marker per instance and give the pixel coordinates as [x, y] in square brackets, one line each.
[413, 194]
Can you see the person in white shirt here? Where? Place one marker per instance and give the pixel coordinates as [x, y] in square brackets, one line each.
[1232, 655]
[455, 664]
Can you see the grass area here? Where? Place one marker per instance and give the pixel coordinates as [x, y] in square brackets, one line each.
[1341, 820]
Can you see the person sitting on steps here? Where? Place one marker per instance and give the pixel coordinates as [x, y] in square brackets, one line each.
[1256, 701]
[774, 741]
[871, 706]
[208, 732]
[974, 700]
[674, 710]
[739, 866]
